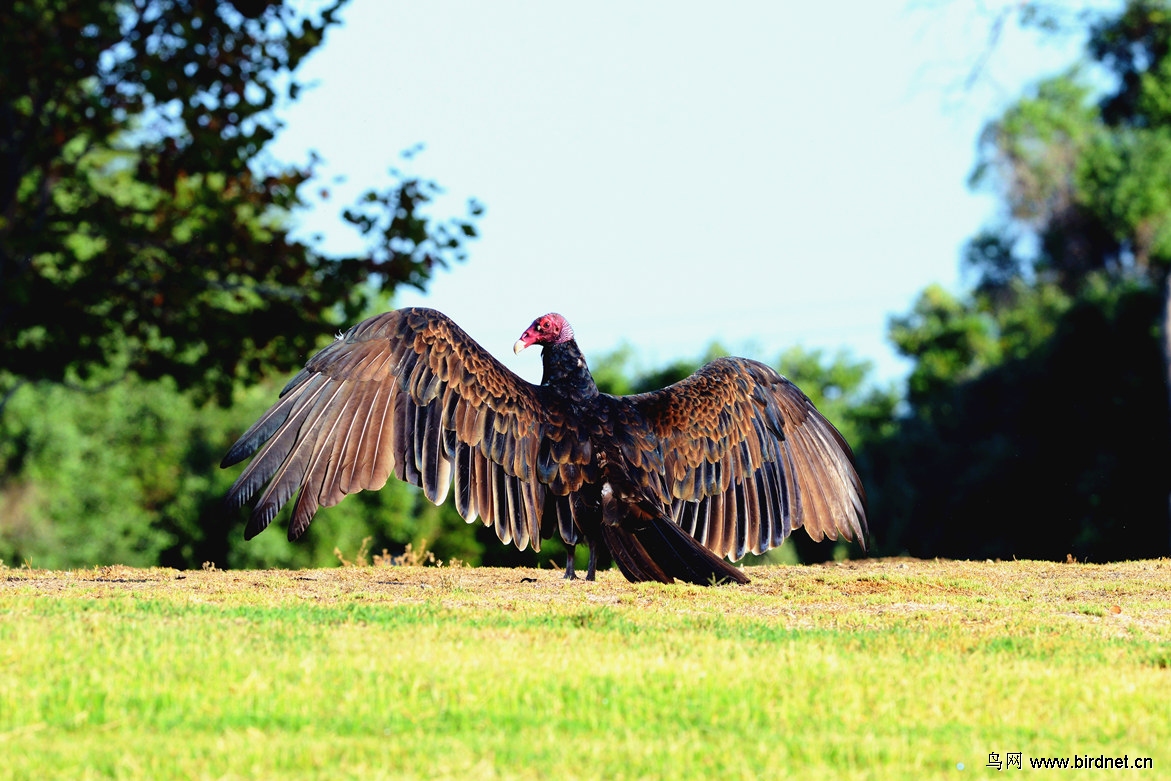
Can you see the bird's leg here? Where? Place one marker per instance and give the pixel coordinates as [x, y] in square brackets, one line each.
[592, 569]
[570, 574]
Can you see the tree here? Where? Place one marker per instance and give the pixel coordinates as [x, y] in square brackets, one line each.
[142, 227]
[1089, 171]
[129, 474]
[1048, 438]
[1038, 406]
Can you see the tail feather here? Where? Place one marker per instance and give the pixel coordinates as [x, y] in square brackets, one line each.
[656, 549]
[632, 557]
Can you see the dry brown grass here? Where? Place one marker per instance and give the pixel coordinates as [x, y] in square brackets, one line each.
[1121, 598]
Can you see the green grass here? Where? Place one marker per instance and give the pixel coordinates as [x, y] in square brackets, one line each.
[877, 669]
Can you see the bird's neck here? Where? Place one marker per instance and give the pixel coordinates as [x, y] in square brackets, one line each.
[566, 371]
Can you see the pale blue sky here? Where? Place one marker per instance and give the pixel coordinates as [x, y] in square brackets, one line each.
[763, 174]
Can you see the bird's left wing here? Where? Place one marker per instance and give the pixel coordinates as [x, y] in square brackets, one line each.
[409, 393]
[743, 458]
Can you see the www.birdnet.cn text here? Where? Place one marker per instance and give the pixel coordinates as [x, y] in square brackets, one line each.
[1017, 760]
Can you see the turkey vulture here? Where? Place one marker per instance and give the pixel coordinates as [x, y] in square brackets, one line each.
[729, 460]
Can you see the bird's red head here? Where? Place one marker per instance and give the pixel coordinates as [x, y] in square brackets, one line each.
[546, 329]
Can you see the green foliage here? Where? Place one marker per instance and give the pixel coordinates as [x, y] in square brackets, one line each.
[613, 372]
[953, 339]
[1086, 169]
[142, 225]
[146, 265]
[129, 474]
[1036, 146]
[1060, 447]
[1037, 421]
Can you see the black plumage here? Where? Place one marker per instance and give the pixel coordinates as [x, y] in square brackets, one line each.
[730, 460]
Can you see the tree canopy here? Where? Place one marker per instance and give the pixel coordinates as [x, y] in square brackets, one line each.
[144, 228]
[1083, 161]
[1038, 418]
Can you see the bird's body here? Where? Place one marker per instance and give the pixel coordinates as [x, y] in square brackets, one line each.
[727, 461]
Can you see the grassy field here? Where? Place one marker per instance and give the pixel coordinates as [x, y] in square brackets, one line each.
[872, 669]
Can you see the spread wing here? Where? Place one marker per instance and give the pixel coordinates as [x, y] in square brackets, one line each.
[743, 458]
[409, 393]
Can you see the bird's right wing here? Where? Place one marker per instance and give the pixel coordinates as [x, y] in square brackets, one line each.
[409, 393]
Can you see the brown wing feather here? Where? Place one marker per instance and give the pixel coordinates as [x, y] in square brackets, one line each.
[742, 457]
[405, 393]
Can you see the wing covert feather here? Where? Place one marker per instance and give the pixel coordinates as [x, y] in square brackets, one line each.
[743, 458]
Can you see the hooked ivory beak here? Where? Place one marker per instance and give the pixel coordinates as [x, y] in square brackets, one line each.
[520, 345]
